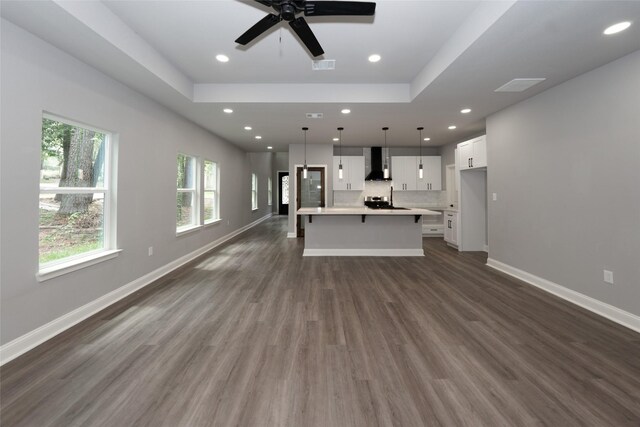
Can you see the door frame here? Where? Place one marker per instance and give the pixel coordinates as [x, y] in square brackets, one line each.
[278, 189]
[296, 168]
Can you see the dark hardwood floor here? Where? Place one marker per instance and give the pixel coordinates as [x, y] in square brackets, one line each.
[252, 334]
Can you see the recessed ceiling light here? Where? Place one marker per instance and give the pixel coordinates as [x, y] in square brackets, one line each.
[336, 139]
[258, 137]
[345, 111]
[427, 139]
[269, 147]
[228, 110]
[452, 127]
[465, 110]
[222, 58]
[248, 128]
[616, 28]
[374, 58]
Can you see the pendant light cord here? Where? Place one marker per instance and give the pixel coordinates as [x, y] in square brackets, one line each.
[340, 137]
[305, 145]
[420, 130]
[386, 158]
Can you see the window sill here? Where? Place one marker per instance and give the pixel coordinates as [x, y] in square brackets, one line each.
[254, 209]
[76, 264]
[213, 221]
[187, 230]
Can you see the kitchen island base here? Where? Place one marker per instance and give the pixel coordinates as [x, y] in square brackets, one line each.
[358, 235]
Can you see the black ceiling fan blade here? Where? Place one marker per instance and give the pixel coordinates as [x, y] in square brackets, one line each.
[303, 31]
[334, 8]
[266, 2]
[260, 27]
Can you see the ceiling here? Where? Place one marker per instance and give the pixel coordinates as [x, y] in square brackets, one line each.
[437, 58]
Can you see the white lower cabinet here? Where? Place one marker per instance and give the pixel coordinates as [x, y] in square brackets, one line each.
[451, 227]
[432, 225]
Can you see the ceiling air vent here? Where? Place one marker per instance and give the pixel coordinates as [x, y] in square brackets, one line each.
[314, 115]
[323, 65]
[518, 85]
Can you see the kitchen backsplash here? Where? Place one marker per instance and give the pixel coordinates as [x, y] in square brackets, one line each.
[400, 198]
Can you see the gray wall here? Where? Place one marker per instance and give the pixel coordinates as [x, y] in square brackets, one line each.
[260, 164]
[280, 163]
[565, 165]
[36, 76]
[317, 155]
[448, 155]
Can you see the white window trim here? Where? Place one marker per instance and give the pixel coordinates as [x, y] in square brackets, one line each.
[216, 192]
[108, 251]
[83, 261]
[188, 229]
[269, 191]
[254, 198]
[195, 197]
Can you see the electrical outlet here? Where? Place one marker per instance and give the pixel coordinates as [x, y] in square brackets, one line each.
[150, 250]
[608, 276]
[495, 196]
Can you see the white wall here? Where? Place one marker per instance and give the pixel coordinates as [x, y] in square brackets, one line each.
[565, 165]
[36, 76]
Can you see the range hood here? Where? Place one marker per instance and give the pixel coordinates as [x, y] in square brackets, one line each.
[376, 174]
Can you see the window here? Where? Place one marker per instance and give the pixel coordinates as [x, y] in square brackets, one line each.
[211, 189]
[269, 191]
[187, 194]
[75, 194]
[254, 191]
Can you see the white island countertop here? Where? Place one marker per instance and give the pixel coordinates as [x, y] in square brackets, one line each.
[365, 211]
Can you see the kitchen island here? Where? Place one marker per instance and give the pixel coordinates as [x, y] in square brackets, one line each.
[363, 231]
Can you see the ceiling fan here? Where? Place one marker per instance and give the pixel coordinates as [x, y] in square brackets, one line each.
[288, 9]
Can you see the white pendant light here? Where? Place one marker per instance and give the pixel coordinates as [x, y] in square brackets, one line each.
[340, 164]
[420, 168]
[385, 168]
[304, 169]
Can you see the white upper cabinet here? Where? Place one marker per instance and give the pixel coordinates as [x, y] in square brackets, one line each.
[473, 153]
[404, 171]
[432, 173]
[352, 173]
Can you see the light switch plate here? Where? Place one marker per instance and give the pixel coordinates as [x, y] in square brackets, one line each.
[608, 276]
[495, 196]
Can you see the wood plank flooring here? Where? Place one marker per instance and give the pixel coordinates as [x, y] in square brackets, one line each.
[253, 334]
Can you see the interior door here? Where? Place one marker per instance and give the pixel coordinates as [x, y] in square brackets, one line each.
[310, 193]
[283, 193]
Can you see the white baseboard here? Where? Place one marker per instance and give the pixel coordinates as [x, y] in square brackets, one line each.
[612, 313]
[291, 235]
[486, 248]
[363, 252]
[26, 342]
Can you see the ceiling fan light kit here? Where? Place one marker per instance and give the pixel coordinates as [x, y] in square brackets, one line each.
[288, 9]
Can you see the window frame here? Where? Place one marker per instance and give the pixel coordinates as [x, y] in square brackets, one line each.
[55, 268]
[195, 196]
[254, 191]
[216, 192]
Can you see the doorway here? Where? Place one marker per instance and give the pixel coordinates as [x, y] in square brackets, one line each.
[310, 193]
[283, 193]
